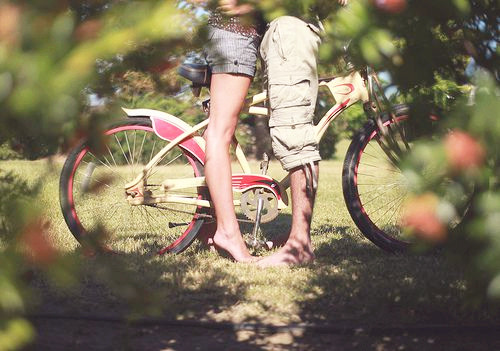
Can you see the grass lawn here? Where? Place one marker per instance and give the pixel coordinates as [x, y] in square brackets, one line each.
[352, 284]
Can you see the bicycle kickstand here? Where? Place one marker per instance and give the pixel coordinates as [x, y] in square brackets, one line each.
[260, 203]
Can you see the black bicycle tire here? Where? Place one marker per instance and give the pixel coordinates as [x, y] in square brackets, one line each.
[350, 190]
[69, 212]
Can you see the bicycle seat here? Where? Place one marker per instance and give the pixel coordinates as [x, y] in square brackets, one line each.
[198, 73]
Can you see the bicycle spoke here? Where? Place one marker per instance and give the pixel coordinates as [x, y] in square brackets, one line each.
[378, 189]
[100, 161]
[166, 219]
[113, 171]
[374, 198]
[97, 180]
[383, 205]
[378, 167]
[175, 158]
[394, 212]
[152, 151]
[378, 157]
[132, 152]
[121, 148]
[112, 157]
[392, 207]
[128, 148]
[371, 184]
[146, 215]
[142, 147]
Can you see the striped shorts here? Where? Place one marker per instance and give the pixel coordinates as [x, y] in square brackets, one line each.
[228, 52]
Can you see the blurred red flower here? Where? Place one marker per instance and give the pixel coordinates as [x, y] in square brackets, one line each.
[39, 248]
[391, 6]
[420, 217]
[463, 151]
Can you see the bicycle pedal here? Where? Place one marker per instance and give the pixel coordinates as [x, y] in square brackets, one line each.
[257, 244]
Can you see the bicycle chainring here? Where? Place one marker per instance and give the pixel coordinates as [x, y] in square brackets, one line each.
[249, 200]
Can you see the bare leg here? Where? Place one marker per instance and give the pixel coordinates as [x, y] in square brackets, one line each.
[298, 248]
[228, 92]
[206, 235]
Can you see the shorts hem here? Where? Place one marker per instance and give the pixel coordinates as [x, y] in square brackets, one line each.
[288, 166]
[231, 68]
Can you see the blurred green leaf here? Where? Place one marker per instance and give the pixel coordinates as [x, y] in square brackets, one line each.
[17, 332]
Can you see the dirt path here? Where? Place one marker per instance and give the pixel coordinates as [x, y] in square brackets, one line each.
[62, 335]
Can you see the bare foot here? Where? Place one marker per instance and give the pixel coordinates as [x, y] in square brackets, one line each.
[292, 253]
[234, 245]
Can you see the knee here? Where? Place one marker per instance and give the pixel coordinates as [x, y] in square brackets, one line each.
[217, 135]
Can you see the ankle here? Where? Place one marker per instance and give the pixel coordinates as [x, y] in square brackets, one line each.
[299, 243]
[227, 233]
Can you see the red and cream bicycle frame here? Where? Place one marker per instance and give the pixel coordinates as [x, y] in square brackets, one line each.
[346, 90]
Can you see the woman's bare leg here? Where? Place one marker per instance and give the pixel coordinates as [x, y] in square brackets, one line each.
[228, 92]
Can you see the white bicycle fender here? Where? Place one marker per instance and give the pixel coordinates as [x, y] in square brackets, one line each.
[169, 127]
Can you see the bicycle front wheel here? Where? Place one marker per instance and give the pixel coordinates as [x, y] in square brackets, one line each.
[373, 185]
[95, 205]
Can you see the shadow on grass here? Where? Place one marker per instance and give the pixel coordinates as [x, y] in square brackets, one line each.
[353, 284]
[117, 290]
[367, 284]
[420, 297]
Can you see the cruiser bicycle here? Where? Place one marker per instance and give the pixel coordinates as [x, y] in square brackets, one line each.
[148, 184]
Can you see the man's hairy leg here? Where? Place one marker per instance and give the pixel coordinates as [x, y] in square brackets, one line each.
[298, 248]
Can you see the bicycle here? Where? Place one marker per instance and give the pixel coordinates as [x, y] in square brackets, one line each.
[148, 181]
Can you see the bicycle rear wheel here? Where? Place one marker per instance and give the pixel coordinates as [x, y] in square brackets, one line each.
[374, 187]
[94, 202]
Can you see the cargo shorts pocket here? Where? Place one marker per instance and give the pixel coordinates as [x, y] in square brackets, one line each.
[288, 93]
[289, 140]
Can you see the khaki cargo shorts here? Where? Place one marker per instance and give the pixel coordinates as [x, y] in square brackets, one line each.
[289, 49]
